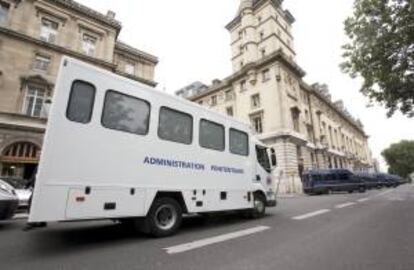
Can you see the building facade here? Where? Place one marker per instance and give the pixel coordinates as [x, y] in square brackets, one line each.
[34, 35]
[301, 122]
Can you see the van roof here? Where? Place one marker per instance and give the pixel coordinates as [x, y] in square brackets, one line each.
[155, 91]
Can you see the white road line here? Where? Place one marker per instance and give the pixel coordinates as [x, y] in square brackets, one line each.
[343, 205]
[213, 240]
[311, 214]
[385, 192]
[363, 200]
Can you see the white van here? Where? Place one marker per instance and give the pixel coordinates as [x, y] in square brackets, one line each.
[117, 149]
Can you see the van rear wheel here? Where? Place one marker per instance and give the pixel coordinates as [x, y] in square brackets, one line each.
[164, 217]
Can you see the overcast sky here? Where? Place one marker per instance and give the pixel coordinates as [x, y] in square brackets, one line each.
[189, 38]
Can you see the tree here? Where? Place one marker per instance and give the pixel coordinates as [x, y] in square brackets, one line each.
[400, 158]
[381, 51]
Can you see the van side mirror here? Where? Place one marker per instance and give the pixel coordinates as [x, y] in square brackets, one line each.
[273, 157]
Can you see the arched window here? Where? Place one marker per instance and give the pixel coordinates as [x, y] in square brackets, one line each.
[21, 152]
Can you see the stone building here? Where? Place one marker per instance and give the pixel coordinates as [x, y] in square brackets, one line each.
[34, 35]
[300, 121]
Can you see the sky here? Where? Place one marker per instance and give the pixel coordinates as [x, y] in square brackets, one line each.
[189, 38]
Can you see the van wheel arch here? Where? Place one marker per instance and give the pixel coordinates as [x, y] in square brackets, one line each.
[176, 195]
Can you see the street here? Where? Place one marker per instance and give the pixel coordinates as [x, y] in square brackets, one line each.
[372, 230]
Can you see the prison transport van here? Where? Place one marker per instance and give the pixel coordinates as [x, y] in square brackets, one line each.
[117, 149]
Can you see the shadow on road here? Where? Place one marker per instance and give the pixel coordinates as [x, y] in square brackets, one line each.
[66, 238]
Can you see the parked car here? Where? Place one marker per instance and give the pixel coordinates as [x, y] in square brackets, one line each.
[8, 200]
[371, 181]
[328, 181]
[22, 191]
[387, 180]
[24, 196]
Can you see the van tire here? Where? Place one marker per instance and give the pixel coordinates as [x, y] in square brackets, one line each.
[164, 217]
[259, 206]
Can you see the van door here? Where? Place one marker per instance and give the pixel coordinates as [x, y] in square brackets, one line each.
[263, 169]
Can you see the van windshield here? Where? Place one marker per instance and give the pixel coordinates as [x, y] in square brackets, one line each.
[263, 158]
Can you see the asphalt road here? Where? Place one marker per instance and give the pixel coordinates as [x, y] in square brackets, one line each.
[374, 230]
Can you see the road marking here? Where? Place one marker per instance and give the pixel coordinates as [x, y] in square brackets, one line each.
[214, 240]
[363, 200]
[311, 214]
[343, 205]
[385, 192]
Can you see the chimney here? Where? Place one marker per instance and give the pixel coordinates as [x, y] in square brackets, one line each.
[216, 81]
[110, 14]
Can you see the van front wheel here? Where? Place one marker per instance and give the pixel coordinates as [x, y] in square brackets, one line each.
[164, 217]
[259, 206]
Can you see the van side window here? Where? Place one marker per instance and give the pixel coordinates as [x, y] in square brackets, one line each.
[175, 126]
[211, 135]
[81, 100]
[239, 142]
[125, 113]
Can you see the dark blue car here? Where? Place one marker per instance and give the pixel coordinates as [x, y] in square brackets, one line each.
[328, 181]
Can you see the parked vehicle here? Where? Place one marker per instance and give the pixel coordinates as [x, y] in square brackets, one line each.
[328, 181]
[24, 196]
[8, 200]
[370, 180]
[23, 193]
[116, 149]
[387, 180]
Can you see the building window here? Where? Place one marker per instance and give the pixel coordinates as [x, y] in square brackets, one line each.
[261, 35]
[255, 101]
[229, 111]
[241, 64]
[213, 100]
[81, 101]
[4, 12]
[228, 95]
[265, 75]
[239, 142]
[211, 135]
[295, 119]
[41, 62]
[89, 44]
[241, 49]
[257, 123]
[263, 52]
[311, 136]
[48, 31]
[130, 68]
[34, 100]
[243, 86]
[175, 126]
[240, 34]
[200, 102]
[126, 113]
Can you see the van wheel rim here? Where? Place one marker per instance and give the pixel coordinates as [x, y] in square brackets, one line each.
[259, 206]
[165, 217]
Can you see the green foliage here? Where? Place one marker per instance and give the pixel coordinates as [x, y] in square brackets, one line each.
[381, 51]
[400, 158]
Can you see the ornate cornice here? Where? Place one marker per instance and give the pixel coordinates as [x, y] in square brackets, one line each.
[98, 62]
[73, 5]
[121, 46]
